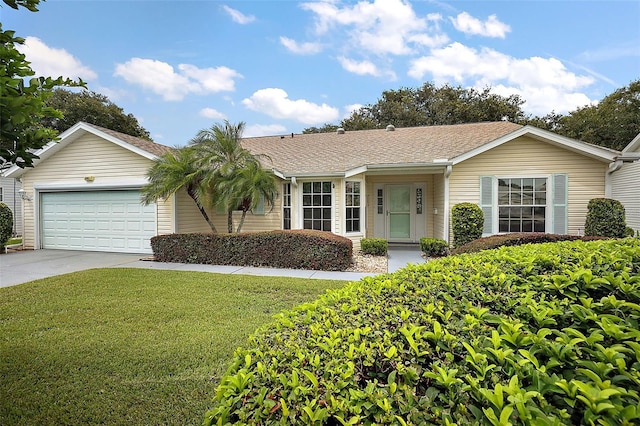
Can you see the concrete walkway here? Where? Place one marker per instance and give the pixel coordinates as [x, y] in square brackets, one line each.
[24, 266]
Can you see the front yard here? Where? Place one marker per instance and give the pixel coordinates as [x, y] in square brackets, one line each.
[129, 346]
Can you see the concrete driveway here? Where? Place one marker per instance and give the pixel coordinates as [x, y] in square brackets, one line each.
[28, 265]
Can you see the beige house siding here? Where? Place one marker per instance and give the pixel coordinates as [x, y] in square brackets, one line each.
[190, 219]
[438, 220]
[111, 165]
[528, 157]
[625, 187]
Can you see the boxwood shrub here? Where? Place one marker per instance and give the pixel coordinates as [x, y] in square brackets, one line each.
[296, 249]
[517, 239]
[374, 246]
[606, 218]
[543, 334]
[467, 221]
[434, 247]
[6, 224]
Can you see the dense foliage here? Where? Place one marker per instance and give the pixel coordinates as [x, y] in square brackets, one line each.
[515, 239]
[467, 221]
[374, 246]
[92, 108]
[297, 249]
[605, 218]
[22, 99]
[541, 334]
[6, 224]
[434, 247]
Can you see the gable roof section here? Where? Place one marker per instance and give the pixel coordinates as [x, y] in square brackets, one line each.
[334, 154]
[142, 147]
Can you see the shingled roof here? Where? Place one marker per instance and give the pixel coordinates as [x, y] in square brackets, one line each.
[144, 144]
[337, 153]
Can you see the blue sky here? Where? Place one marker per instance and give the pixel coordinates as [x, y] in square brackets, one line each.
[282, 66]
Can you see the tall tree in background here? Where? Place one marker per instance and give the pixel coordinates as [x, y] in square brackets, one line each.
[92, 108]
[611, 123]
[22, 101]
[430, 105]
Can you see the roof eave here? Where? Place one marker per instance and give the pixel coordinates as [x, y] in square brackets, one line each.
[595, 152]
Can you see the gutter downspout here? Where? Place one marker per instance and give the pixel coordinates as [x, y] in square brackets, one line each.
[446, 214]
[613, 167]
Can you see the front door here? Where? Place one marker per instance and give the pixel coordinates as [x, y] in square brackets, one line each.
[399, 212]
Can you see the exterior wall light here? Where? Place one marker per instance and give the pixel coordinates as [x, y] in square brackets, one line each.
[24, 195]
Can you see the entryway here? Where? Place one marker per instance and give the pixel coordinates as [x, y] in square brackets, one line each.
[399, 212]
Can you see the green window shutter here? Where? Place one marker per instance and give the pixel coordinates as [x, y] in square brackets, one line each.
[560, 198]
[259, 210]
[486, 203]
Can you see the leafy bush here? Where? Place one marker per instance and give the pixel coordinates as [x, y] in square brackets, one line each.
[6, 224]
[542, 334]
[516, 239]
[629, 232]
[605, 218]
[434, 247]
[467, 221]
[296, 249]
[374, 246]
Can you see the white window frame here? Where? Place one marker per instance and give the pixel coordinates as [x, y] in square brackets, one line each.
[290, 206]
[361, 207]
[548, 214]
[300, 196]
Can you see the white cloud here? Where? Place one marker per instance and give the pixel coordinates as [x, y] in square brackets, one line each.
[301, 48]
[276, 103]
[360, 68]
[255, 130]
[492, 27]
[545, 83]
[238, 17]
[162, 79]
[51, 62]
[381, 27]
[212, 113]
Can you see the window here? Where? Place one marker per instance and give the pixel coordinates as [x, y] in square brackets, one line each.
[522, 204]
[0, 194]
[286, 206]
[352, 206]
[316, 205]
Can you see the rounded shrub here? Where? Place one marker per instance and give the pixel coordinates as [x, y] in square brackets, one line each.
[434, 247]
[532, 335]
[467, 221]
[374, 246]
[6, 224]
[605, 218]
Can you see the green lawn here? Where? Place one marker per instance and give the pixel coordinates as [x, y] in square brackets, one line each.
[129, 346]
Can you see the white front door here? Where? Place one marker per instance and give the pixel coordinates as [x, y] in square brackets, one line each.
[112, 221]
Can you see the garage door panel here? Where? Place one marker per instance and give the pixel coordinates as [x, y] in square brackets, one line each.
[97, 221]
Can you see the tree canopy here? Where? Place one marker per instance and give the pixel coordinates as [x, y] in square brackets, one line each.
[23, 99]
[93, 108]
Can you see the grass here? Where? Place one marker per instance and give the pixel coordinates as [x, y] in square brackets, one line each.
[129, 346]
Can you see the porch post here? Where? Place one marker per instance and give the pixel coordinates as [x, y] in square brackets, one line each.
[446, 214]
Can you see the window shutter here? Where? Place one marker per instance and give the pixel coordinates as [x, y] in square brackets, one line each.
[486, 203]
[560, 200]
[259, 210]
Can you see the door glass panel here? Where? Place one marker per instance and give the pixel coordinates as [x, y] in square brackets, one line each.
[399, 212]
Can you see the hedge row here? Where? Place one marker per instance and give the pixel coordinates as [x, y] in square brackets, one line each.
[544, 334]
[296, 249]
[516, 239]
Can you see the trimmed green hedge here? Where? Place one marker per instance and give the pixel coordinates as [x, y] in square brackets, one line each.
[296, 249]
[544, 334]
[374, 246]
[516, 239]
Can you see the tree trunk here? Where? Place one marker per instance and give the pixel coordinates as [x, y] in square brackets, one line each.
[230, 222]
[203, 212]
[244, 214]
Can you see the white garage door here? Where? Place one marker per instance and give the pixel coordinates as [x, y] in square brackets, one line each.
[113, 221]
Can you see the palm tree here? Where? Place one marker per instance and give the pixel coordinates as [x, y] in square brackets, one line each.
[247, 187]
[222, 153]
[178, 169]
